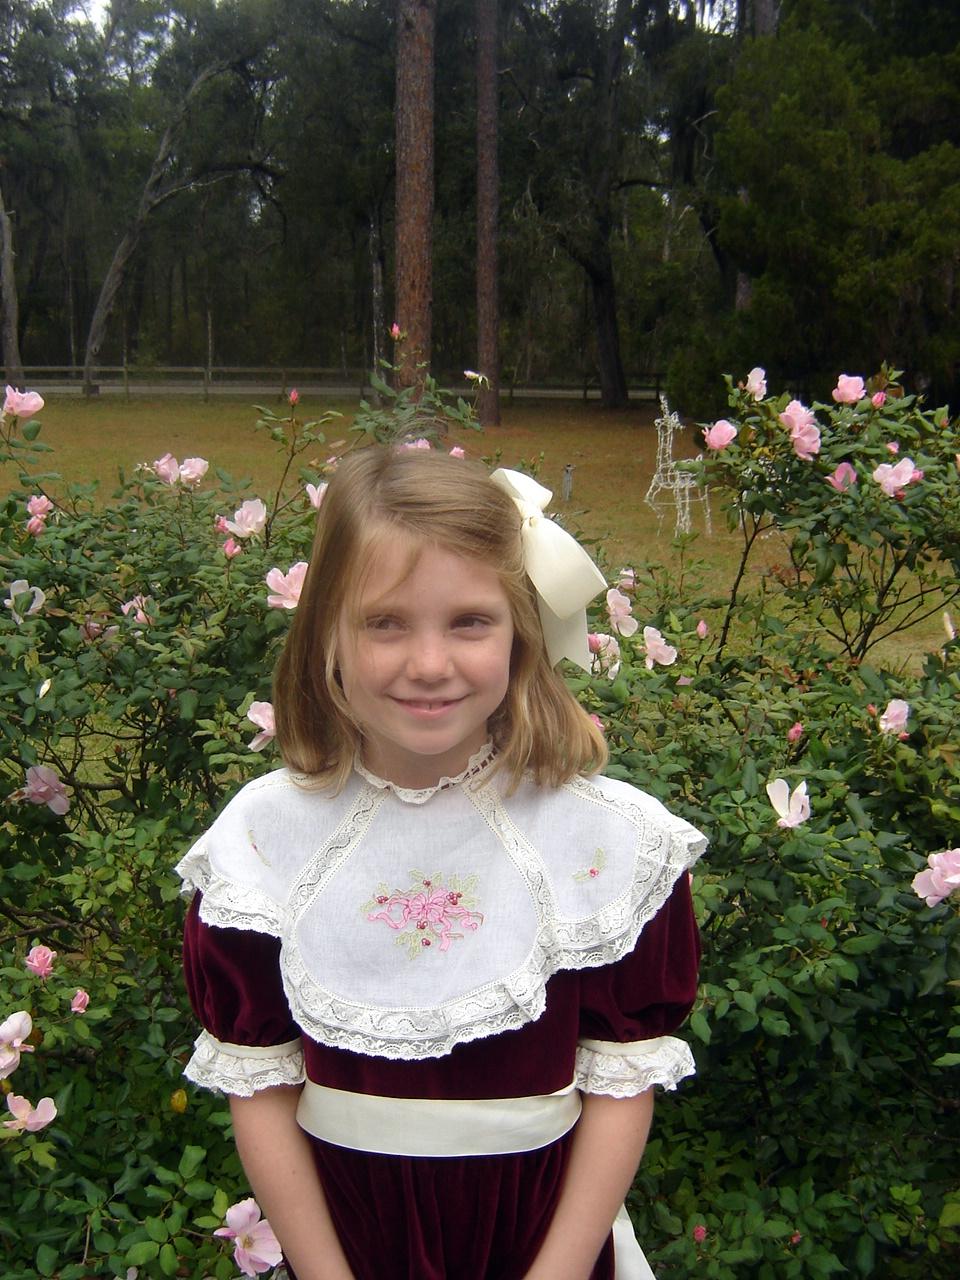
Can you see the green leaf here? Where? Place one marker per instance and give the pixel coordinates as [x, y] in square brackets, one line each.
[157, 1229]
[700, 1027]
[168, 1260]
[861, 944]
[141, 1252]
[46, 1260]
[191, 1160]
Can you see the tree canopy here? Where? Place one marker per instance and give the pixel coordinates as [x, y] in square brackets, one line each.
[683, 187]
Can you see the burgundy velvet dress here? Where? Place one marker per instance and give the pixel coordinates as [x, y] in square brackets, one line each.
[476, 1217]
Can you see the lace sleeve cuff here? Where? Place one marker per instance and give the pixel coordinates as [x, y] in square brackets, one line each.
[624, 1070]
[242, 1069]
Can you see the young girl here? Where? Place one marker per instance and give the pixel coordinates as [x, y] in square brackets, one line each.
[436, 957]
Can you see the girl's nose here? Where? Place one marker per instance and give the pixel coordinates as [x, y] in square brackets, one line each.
[428, 658]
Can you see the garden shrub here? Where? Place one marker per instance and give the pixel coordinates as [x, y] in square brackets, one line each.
[820, 1135]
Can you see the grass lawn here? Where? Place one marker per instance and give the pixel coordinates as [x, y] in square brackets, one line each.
[613, 455]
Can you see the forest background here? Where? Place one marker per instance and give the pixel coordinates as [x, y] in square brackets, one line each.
[685, 188]
[787, 198]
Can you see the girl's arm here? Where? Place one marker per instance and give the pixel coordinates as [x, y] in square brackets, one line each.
[278, 1161]
[609, 1141]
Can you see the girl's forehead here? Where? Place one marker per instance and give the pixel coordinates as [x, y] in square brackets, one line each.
[398, 564]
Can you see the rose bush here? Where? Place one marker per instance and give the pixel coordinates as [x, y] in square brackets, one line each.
[819, 1136]
[820, 1133]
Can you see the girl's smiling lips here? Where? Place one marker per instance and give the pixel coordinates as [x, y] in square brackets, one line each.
[427, 706]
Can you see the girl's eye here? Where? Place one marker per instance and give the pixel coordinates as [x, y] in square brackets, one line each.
[381, 624]
[471, 622]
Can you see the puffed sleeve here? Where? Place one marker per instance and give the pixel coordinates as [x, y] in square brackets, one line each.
[249, 1039]
[628, 1008]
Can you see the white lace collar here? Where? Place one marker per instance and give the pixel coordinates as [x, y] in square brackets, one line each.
[402, 938]
[476, 765]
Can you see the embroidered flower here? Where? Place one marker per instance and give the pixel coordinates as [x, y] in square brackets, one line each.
[431, 909]
[591, 872]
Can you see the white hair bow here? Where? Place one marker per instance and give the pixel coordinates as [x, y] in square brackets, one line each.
[565, 577]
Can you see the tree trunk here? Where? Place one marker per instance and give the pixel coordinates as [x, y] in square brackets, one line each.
[379, 320]
[155, 192]
[414, 161]
[12, 363]
[488, 198]
[613, 382]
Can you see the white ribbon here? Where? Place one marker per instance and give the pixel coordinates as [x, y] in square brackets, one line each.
[565, 577]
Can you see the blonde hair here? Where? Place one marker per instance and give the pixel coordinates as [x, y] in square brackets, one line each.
[431, 498]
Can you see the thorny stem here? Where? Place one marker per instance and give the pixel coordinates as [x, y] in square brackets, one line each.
[749, 538]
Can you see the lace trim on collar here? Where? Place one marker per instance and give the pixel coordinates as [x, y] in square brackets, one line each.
[476, 765]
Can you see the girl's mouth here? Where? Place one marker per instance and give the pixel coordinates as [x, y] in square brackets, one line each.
[427, 706]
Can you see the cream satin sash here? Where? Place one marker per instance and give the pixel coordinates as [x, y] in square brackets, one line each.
[427, 1127]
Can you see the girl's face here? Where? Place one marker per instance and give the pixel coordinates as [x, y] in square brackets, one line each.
[426, 662]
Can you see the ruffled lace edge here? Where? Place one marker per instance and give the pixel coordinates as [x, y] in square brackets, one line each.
[625, 1070]
[242, 1070]
[476, 765]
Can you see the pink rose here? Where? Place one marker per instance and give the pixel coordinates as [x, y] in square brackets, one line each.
[395, 331]
[720, 434]
[220, 525]
[893, 447]
[607, 651]
[167, 469]
[843, 477]
[138, 607]
[895, 716]
[792, 807]
[294, 398]
[756, 384]
[249, 519]
[804, 432]
[796, 417]
[80, 1001]
[13, 1041]
[894, 479]
[598, 722]
[626, 579]
[39, 960]
[26, 1116]
[657, 649]
[878, 399]
[421, 443]
[702, 629]
[619, 613]
[257, 1248]
[848, 390]
[43, 786]
[231, 548]
[795, 732]
[806, 442]
[457, 452]
[316, 493]
[941, 878]
[23, 596]
[261, 714]
[285, 588]
[39, 505]
[192, 470]
[22, 404]
[36, 526]
[699, 1233]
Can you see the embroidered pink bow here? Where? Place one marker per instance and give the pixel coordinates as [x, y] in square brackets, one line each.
[439, 911]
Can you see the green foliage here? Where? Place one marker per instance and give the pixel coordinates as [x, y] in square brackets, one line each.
[820, 1134]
